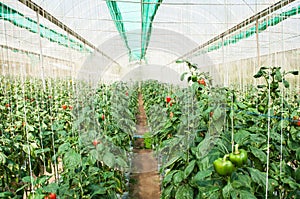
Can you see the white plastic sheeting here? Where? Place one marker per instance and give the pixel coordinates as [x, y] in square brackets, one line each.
[179, 26]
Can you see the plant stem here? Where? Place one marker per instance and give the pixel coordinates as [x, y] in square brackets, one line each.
[225, 157]
[236, 149]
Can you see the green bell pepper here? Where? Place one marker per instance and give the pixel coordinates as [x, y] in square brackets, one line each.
[238, 157]
[223, 166]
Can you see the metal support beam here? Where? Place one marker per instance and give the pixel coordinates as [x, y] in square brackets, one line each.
[244, 23]
[33, 6]
[33, 53]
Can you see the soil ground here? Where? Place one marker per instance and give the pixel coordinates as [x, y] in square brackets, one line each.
[145, 183]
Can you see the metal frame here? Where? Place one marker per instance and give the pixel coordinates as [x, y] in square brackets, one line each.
[244, 23]
[33, 6]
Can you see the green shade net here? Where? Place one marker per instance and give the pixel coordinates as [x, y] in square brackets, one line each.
[19, 20]
[252, 30]
[149, 8]
[134, 21]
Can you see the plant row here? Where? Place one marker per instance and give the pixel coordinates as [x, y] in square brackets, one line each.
[67, 140]
[196, 132]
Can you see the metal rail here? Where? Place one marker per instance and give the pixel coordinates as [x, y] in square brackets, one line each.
[244, 23]
[33, 6]
[32, 53]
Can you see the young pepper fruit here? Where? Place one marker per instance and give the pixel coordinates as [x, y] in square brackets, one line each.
[223, 166]
[238, 157]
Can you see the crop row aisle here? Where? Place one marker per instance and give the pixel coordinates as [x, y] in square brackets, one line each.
[149, 99]
[144, 178]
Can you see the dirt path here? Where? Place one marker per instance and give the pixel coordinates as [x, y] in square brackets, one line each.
[144, 175]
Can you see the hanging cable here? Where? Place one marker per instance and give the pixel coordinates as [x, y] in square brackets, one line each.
[269, 121]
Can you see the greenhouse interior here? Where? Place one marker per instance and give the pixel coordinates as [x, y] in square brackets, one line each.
[150, 99]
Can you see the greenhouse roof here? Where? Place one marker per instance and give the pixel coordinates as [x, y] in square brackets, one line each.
[127, 32]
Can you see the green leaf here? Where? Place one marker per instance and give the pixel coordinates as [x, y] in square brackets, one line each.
[27, 179]
[64, 148]
[109, 159]
[42, 179]
[99, 190]
[185, 192]
[261, 86]
[71, 159]
[190, 167]
[272, 184]
[241, 105]
[298, 154]
[166, 193]
[2, 158]
[6, 194]
[245, 180]
[29, 127]
[217, 113]
[168, 178]
[38, 151]
[226, 190]
[291, 182]
[121, 162]
[179, 61]
[283, 124]
[257, 138]
[294, 72]
[182, 76]
[51, 188]
[241, 136]
[258, 176]
[234, 194]
[263, 68]
[246, 194]
[36, 196]
[178, 177]
[201, 175]
[172, 161]
[286, 83]
[258, 74]
[259, 154]
[278, 76]
[214, 195]
[26, 148]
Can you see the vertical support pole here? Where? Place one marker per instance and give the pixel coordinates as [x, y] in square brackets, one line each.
[41, 51]
[225, 70]
[257, 49]
[142, 25]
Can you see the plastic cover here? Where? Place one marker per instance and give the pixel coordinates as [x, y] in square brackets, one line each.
[155, 32]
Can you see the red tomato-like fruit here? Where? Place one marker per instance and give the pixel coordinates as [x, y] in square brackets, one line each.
[168, 99]
[49, 96]
[298, 122]
[103, 117]
[7, 105]
[52, 196]
[46, 197]
[95, 142]
[71, 107]
[171, 104]
[64, 107]
[211, 114]
[126, 93]
[202, 81]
